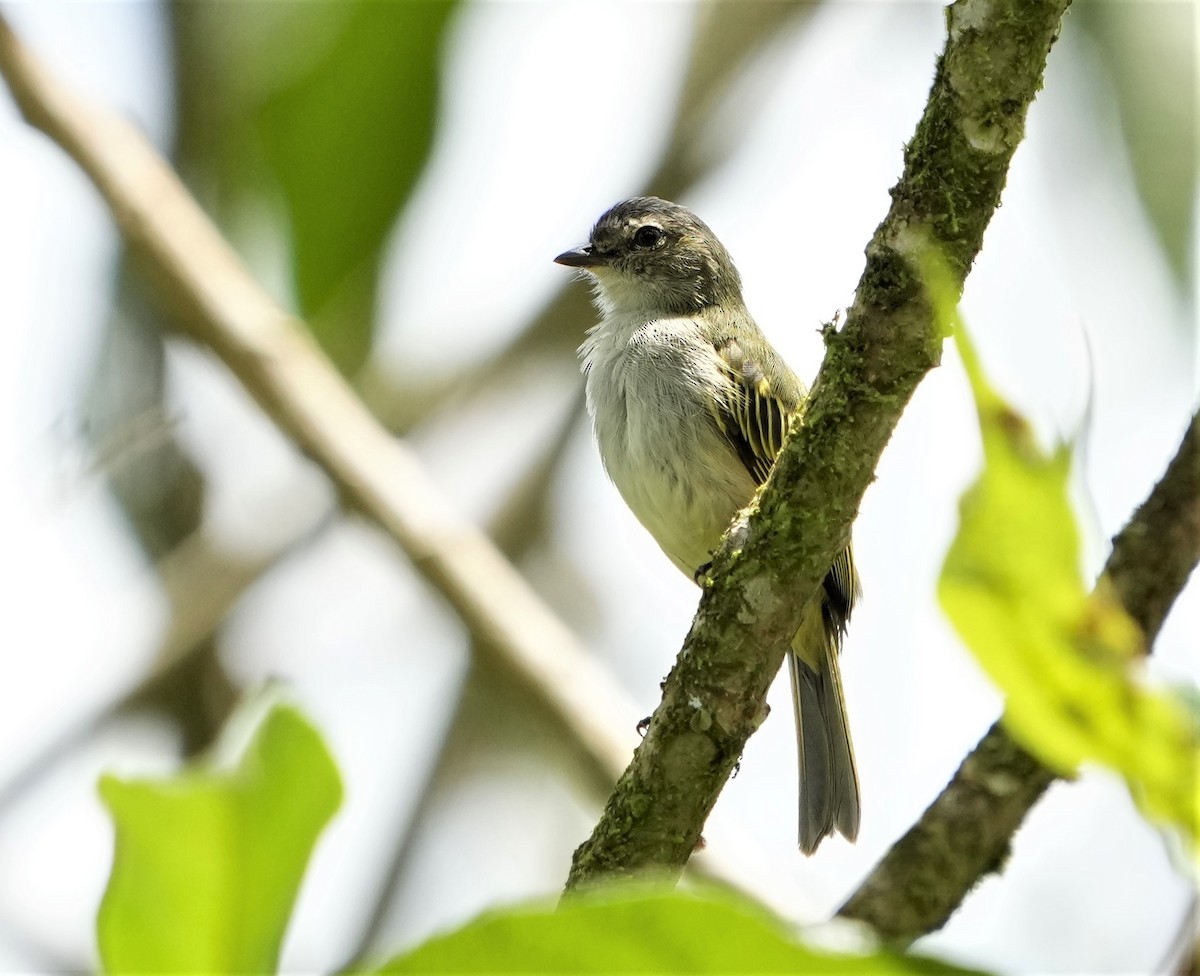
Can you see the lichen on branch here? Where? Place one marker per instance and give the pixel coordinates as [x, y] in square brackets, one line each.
[955, 168]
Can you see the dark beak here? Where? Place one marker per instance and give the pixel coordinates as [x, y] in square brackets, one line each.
[580, 257]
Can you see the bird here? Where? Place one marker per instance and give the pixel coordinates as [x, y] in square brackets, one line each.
[690, 405]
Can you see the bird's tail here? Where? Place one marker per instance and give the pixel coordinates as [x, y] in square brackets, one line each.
[829, 797]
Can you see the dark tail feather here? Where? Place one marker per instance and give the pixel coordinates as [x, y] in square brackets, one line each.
[829, 798]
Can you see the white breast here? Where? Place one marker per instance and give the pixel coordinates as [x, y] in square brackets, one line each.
[648, 388]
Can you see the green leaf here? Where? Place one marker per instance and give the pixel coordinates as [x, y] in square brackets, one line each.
[326, 111]
[1068, 660]
[207, 864]
[640, 930]
[1157, 109]
[346, 140]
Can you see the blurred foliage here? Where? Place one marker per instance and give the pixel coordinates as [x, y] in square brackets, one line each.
[1067, 660]
[207, 863]
[1149, 49]
[726, 37]
[323, 114]
[329, 107]
[132, 426]
[132, 434]
[641, 930]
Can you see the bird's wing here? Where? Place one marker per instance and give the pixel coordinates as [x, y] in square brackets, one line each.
[755, 414]
[755, 418]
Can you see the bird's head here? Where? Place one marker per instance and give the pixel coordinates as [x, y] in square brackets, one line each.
[649, 255]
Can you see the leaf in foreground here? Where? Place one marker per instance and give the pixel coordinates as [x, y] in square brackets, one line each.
[1069, 661]
[207, 864]
[641, 930]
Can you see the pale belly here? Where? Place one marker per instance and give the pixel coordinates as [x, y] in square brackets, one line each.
[668, 459]
[686, 520]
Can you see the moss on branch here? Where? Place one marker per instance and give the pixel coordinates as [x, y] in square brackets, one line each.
[714, 699]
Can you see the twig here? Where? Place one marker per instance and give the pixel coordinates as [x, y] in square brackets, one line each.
[776, 556]
[1155, 553]
[966, 831]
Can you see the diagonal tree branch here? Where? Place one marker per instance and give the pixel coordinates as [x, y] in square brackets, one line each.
[1157, 550]
[778, 553]
[966, 831]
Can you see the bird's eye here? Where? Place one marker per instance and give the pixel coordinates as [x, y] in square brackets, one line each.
[647, 236]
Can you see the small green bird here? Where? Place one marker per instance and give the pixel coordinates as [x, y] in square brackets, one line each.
[690, 404]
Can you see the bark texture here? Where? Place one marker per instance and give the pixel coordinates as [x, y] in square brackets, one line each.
[777, 554]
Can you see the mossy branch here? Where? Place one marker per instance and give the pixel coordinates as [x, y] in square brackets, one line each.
[965, 833]
[778, 553]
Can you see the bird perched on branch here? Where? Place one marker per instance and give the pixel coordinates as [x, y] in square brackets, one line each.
[690, 405]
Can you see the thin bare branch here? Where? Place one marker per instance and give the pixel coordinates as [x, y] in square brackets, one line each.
[966, 832]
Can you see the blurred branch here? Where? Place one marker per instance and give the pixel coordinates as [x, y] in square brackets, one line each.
[513, 528]
[727, 33]
[202, 584]
[778, 552]
[1189, 965]
[520, 519]
[966, 832]
[1183, 957]
[159, 487]
[157, 484]
[35, 954]
[219, 303]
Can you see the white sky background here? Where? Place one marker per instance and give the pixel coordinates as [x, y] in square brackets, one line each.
[553, 112]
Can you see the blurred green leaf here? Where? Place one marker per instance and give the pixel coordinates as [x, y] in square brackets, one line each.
[640, 930]
[1150, 52]
[1067, 660]
[347, 140]
[326, 107]
[207, 864]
